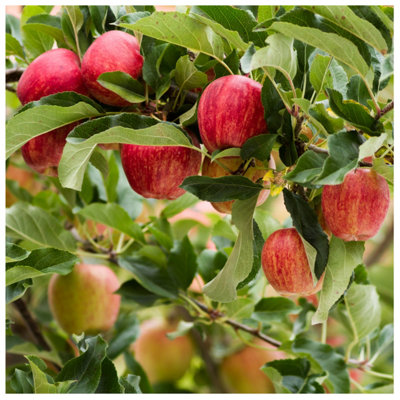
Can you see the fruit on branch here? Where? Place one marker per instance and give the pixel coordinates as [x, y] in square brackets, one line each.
[84, 300]
[356, 208]
[285, 264]
[234, 165]
[157, 171]
[240, 372]
[112, 51]
[163, 359]
[230, 112]
[54, 71]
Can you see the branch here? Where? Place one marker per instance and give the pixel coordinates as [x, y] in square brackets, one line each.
[385, 110]
[380, 249]
[13, 75]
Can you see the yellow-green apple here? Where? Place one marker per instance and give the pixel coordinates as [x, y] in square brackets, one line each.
[240, 372]
[285, 264]
[163, 359]
[157, 171]
[84, 300]
[226, 166]
[355, 209]
[112, 51]
[54, 71]
[230, 112]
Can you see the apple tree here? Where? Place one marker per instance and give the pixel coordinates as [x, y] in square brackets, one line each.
[199, 200]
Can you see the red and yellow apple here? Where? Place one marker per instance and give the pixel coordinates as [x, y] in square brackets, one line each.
[54, 71]
[224, 166]
[355, 209]
[163, 359]
[285, 264]
[157, 171]
[241, 373]
[84, 300]
[230, 112]
[112, 51]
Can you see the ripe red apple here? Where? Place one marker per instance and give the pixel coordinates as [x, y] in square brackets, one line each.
[112, 51]
[285, 264]
[240, 372]
[355, 209]
[230, 112]
[163, 359]
[54, 71]
[157, 171]
[84, 300]
[214, 169]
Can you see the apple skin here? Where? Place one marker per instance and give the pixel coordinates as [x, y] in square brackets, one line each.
[355, 209]
[240, 372]
[157, 171]
[230, 112]
[54, 71]
[25, 179]
[112, 51]
[285, 264]
[163, 359]
[214, 170]
[84, 300]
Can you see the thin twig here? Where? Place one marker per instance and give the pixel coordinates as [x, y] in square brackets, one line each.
[385, 110]
[13, 75]
[380, 249]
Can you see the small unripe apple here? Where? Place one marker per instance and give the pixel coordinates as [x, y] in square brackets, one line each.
[214, 169]
[240, 372]
[84, 300]
[356, 208]
[230, 112]
[54, 71]
[285, 264]
[112, 51]
[157, 171]
[163, 359]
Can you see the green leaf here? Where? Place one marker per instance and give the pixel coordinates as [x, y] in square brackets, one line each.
[126, 331]
[114, 216]
[152, 277]
[336, 46]
[130, 383]
[348, 20]
[239, 264]
[279, 54]
[259, 147]
[210, 262]
[182, 264]
[80, 145]
[330, 361]
[307, 225]
[38, 120]
[41, 382]
[99, 17]
[135, 368]
[109, 382]
[357, 91]
[40, 262]
[48, 24]
[85, 369]
[180, 204]
[231, 152]
[272, 103]
[307, 168]
[17, 290]
[180, 29]
[363, 309]
[21, 381]
[187, 76]
[355, 113]
[371, 145]
[295, 376]
[343, 156]
[13, 47]
[38, 226]
[343, 259]
[15, 253]
[319, 71]
[387, 171]
[221, 189]
[35, 42]
[274, 309]
[133, 291]
[123, 85]
[319, 114]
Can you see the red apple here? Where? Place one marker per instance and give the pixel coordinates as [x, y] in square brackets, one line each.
[230, 112]
[285, 264]
[157, 171]
[355, 209]
[215, 170]
[240, 372]
[112, 51]
[84, 300]
[52, 72]
[163, 359]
